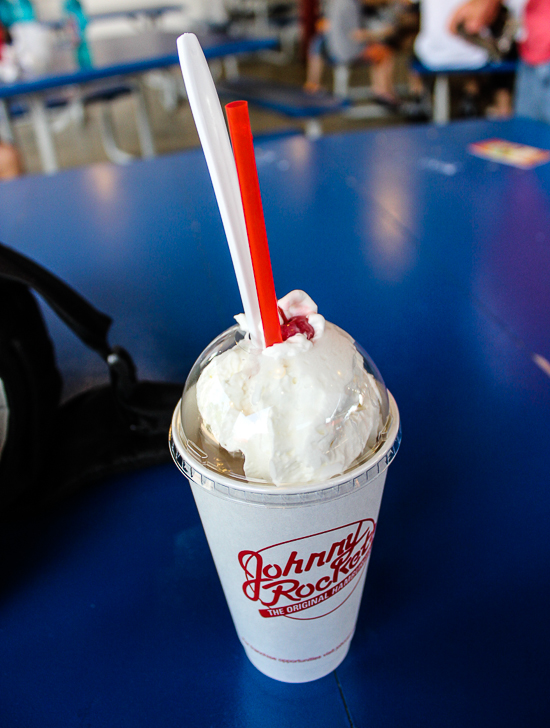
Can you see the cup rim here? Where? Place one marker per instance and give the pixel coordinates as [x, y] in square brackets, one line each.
[338, 486]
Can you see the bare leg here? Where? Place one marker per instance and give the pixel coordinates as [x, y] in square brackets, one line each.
[501, 107]
[416, 87]
[382, 78]
[314, 73]
[10, 163]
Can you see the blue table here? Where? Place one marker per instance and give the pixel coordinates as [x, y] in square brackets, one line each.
[438, 263]
[152, 13]
[113, 57]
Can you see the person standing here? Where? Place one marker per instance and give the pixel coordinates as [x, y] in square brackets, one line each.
[532, 96]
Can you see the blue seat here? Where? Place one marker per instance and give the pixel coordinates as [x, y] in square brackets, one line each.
[291, 101]
[18, 108]
[109, 93]
[491, 67]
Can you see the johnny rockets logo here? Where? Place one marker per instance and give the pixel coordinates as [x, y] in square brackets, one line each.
[308, 573]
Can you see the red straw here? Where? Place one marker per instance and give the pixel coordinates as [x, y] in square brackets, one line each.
[243, 149]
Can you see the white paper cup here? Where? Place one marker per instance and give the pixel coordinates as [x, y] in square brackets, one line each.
[292, 560]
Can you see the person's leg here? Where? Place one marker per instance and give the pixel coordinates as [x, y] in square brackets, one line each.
[468, 107]
[544, 81]
[10, 162]
[501, 87]
[501, 108]
[415, 83]
[315, 64]
[527, 94]
[382, 59]
[387, 70]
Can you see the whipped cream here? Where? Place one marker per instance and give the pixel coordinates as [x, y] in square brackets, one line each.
[300, 411]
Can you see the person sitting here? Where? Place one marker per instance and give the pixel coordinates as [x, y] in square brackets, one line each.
[532, 95]
[390, 28]
[342, 38]
[333, 40]
[439, 49]
[436, 47]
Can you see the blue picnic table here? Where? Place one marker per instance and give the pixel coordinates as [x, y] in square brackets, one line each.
[113, 58]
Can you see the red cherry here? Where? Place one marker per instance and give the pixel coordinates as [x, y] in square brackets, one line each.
[295, 325]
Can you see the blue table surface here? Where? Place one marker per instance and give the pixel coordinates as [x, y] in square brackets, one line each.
[438, 263]
[125, 55]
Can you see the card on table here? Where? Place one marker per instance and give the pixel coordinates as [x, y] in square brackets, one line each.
[505, 152]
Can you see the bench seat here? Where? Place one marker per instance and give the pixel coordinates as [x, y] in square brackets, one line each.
[286, 99]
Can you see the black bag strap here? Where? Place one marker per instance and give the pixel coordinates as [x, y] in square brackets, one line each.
[90, 325]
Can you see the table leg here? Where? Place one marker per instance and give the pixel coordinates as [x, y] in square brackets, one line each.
[441, 99]
[44, 140]
[313, 129]
[145, 135]
[6, 130]
[114, 154]
[231, 68]
[341, 80]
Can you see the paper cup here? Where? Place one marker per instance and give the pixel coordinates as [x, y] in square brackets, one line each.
[292, 560]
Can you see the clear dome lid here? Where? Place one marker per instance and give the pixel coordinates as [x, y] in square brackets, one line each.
[294, 414]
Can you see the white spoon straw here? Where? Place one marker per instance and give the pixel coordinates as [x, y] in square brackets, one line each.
[210, 123]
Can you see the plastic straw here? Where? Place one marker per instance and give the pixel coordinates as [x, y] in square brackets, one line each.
[210, 123]
[243, 149]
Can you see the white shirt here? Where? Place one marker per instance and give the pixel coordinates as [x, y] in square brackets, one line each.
[437, 47]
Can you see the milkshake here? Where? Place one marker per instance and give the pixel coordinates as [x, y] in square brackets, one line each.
[285, 431]
[286, 450]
